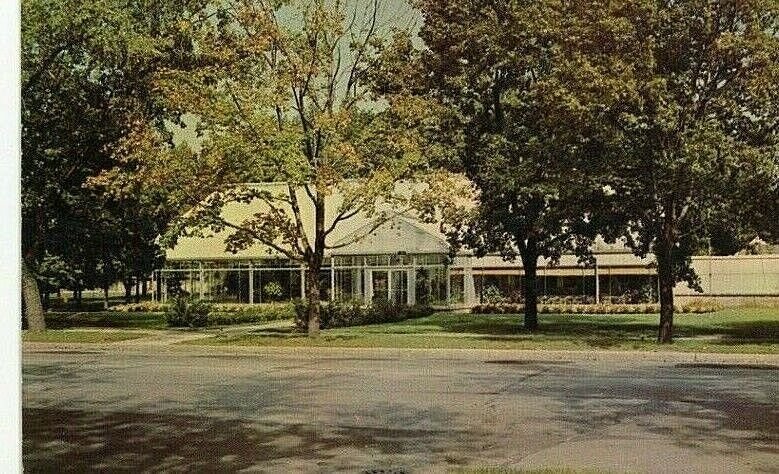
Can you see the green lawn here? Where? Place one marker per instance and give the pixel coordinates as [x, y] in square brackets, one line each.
[81, 336]
[506, 470]
[105, 319]
[732, 330]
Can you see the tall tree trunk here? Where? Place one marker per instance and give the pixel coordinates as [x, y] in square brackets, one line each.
[667, 279]
[105, 295]
[137, 289]
[529, 268]
[77, 294]
[144, 287]
[128, 290]
[665, 273]
[33, 309]
[315, 259]
[313, 302]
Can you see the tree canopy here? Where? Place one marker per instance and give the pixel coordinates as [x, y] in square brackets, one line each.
[86, 69]
[687, 89]
[282, 93]
[528, 147]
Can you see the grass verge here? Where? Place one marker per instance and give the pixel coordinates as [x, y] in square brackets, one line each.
[156, 320]
[506, 470]
[80, 336]
[728, 331]
[105, 319]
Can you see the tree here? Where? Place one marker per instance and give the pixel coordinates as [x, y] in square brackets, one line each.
[282, 95]
[688, 87]
[527, 146]
[85, 74]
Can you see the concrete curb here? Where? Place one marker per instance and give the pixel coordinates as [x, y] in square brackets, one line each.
[395, 353]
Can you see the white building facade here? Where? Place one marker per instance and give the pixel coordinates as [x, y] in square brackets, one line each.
[406, 261]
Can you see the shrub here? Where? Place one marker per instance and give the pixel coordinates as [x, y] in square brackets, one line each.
[245, 313]
[699, 306]
[560, 308]
[493, 295]
[143, 307]
[569, 300]
[273, 291]
[187, 312]
[335, 314]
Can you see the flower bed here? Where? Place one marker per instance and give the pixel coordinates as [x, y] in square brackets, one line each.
[692, 307]
[343, 314]
[223, 313]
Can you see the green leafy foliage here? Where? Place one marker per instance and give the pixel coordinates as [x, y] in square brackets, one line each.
[243, 314]
[686, 95]
[187, 312]
[546, 308]
[220, 313]
[286, 102]
[272, 291]
[492, 295]
[336, 314]
[87, 67]
[527, 145]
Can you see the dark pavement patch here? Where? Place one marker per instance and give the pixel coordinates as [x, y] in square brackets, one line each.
[728, 366]
[83, 441]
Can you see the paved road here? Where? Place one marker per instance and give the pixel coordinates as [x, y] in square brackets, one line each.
[420, 411]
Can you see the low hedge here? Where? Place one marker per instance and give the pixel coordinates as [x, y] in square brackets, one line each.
[242, 308]
[258, 313]
[703, 307]
[337, 314]
[143, 307]
[223, 313]
[187, 312]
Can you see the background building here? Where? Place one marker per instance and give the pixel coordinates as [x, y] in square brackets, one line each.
[408, 261]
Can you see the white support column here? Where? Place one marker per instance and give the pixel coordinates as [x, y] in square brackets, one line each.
[368, 285]
[259, 285]
[251, 283]
[303, 281]
[597, 283]
[332, 279]
[411, 282]
[469, 287]
[610, 278]
[357, 284]
[200, 277]
[389, 285]
[448, 286]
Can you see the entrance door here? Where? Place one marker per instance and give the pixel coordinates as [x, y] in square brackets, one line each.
[399, 287]
[390, 285]
[380, 283]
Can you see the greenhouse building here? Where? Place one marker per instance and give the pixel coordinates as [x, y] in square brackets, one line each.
[407, 261]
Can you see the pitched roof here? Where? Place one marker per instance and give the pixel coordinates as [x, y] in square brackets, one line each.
[402, 232]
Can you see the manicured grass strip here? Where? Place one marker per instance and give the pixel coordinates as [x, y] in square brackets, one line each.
[729, 331]
[54, 335]
[749, 323]
[105, 319]
[407, 341]
[151, 320]
[506, 470]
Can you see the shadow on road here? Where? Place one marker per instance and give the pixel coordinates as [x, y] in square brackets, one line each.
[700, 418]
[80, 441]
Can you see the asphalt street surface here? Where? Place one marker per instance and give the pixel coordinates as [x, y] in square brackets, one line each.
[420, 411]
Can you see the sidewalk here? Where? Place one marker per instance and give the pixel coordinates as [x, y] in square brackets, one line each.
[170, 342]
